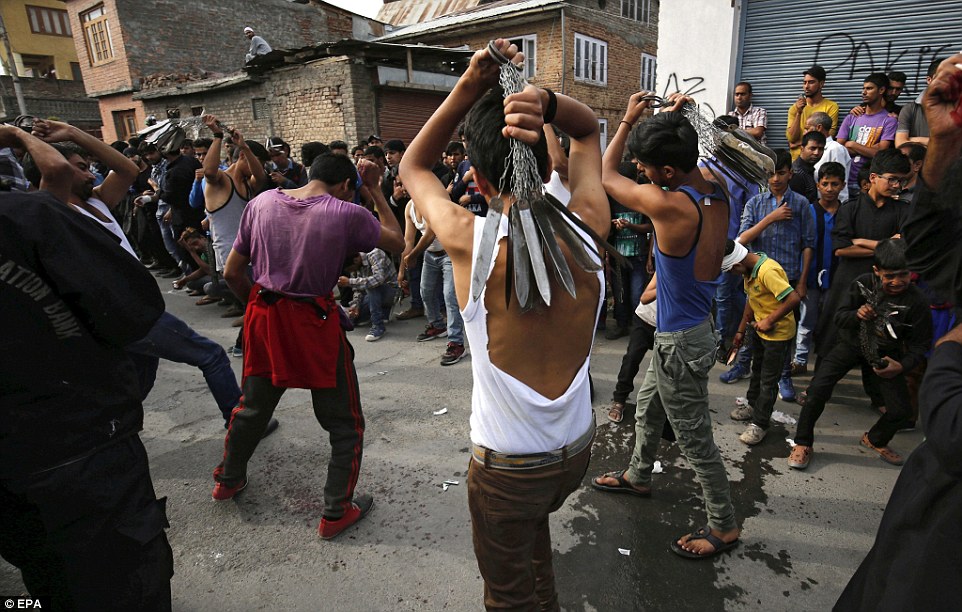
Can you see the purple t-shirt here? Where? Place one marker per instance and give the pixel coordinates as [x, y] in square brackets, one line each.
[868, 130]
[298, 247]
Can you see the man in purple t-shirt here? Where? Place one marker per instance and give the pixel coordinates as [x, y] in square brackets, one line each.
[297, 241]
[869, 129]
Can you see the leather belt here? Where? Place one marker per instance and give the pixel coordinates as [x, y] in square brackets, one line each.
[508, 461]
[440, 253]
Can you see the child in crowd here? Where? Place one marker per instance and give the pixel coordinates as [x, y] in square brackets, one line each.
[831, 183]
[770, 303]
[374, 285]
[911, 326]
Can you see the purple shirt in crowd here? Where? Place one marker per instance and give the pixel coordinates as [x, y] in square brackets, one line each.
[298, 247]
[868, 130]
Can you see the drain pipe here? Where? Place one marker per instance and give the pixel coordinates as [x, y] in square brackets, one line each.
[564, 51]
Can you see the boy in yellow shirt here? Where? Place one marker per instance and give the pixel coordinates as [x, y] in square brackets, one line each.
[770, 303]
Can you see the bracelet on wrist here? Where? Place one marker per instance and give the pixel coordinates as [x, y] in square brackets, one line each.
[219, 135]
[630, 125]
[552, 108]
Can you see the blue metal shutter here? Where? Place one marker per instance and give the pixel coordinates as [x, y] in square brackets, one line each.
[849, 38]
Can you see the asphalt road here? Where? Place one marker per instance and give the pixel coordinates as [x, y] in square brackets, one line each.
[804, 532]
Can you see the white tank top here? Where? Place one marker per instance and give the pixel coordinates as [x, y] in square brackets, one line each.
[506, 415]
[111, 225]
[435, 246]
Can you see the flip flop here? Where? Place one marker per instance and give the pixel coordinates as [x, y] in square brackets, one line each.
[702, 534]
[623, 485]
[616, 412]
[206, 300]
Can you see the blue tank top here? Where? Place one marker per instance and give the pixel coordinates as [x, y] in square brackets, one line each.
[684, 301]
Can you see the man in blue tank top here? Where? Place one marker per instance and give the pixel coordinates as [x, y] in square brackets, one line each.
[691, 225]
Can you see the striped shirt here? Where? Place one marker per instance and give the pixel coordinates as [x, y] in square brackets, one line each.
[755, 116]
[783, 241]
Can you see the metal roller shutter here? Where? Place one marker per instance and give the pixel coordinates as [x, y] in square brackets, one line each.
[401, 114]
[850, 39]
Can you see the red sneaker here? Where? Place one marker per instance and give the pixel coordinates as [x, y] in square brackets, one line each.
[222, 492]
[359, 508]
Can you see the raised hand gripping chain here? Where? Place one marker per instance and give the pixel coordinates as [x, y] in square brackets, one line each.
[533, 221]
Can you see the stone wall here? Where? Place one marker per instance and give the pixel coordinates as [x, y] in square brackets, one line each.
[325, 100]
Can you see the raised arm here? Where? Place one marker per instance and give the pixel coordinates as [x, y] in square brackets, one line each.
[451, 223]
[392, 240]
[123, 172]
[212, 171]
[258, 174]
[54, 169]
[943, 113]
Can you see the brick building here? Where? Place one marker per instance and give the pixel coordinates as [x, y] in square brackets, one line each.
[330, 91]
[597, 51]
[123, 43]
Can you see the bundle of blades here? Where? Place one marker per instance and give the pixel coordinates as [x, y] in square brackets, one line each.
[869, 332]
[733, 147]
[533, 221]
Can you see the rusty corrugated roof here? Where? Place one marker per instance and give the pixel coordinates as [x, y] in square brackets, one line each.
[409, 12]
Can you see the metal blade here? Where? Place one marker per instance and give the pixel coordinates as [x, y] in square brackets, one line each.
[561, 270]
[612, 251]
[489, 238]
[522, 262]
[576, 244]
[534, 250]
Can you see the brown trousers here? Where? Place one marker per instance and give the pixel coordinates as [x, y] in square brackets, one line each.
[509, 521]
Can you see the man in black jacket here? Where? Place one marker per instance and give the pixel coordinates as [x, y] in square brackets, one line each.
[902, 346]
[78, 513]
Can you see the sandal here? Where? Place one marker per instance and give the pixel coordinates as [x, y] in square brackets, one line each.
[885, 453]
[616, 411]
[207, 299]
[623, 485]
[195, 293]
[703, 534]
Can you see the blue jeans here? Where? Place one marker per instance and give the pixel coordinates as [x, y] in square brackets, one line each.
[377, 301]
[167, 233]
[437, 270]
[631, 283]
[729, 305]
[811, 305]
[173, 340]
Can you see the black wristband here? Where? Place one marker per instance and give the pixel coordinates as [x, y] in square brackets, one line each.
[549, 112]
[219, 135]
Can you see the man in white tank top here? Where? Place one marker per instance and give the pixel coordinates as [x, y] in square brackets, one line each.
[531, 417]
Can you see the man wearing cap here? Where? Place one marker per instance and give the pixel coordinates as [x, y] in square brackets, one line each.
[259, 46]
[811, 101]
[284, 171]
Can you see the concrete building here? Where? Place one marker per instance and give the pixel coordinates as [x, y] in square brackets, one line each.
[598, 52]
[706, 47]
[124, 43]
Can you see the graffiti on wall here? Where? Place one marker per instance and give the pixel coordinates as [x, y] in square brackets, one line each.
[690, 86]
[861, 57]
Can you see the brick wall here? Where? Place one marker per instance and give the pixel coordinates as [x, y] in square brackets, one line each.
[114, 75]
[119, 102]
[330, 99]
[627, 40]
[204, 35]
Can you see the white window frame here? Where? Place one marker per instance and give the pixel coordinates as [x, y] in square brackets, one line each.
[529, 46]
[636, 10]
[649, 66]
[603, 133]
[591, 60]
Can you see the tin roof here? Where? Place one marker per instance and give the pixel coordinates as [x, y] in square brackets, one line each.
[486, 12]
[410, 12]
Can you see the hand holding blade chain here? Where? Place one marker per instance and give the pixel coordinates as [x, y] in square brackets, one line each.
[533, 220]
[869, 332]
